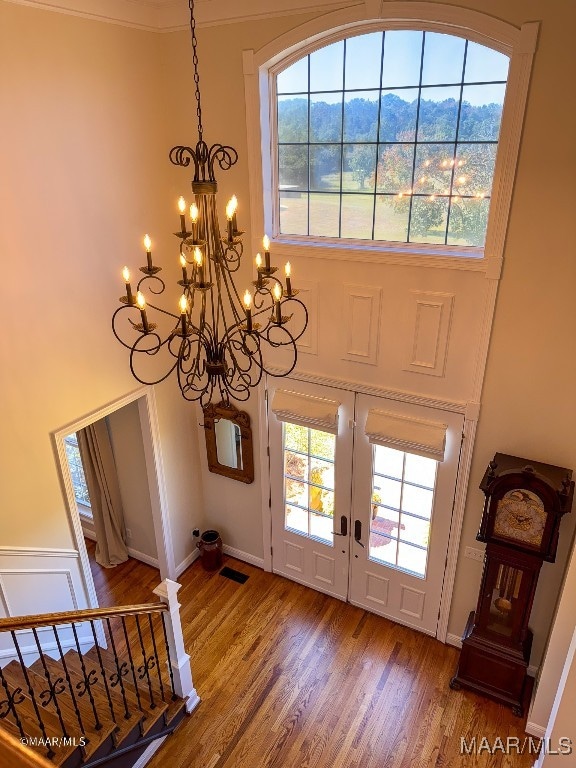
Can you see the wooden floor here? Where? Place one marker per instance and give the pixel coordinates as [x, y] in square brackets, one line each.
[291, 678]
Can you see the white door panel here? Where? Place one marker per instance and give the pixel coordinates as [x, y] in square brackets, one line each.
[311, 476]
[403, 503]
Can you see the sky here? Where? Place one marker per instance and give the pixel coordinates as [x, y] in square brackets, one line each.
[443, 64]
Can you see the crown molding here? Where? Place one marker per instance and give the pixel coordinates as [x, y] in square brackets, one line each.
[172, 15]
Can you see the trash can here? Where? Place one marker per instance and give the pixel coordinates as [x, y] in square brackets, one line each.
[210, 546]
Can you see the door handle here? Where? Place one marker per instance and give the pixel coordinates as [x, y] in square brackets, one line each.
[343, 527]
[358, 532]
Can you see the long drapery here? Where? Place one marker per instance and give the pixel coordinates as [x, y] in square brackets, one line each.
[106, 502]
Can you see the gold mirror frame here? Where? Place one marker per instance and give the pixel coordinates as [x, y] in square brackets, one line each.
[223, 410]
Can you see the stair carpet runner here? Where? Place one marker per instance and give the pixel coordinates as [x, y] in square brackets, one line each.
[103, 719]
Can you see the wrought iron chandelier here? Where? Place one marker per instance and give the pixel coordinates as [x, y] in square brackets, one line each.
[216, 343]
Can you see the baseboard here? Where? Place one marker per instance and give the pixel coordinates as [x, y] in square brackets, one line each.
[135, 553]
[150, 751]
[187, 562]
[456, 641]
[539, 731]
[239, 555]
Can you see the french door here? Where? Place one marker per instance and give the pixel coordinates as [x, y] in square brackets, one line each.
[362, 492]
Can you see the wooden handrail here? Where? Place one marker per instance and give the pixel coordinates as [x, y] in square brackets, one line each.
[69, 617]
[14, 755]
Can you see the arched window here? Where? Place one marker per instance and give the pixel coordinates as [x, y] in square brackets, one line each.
[389, 136]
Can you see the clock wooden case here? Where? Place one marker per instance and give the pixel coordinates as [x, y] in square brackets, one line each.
[524, 504]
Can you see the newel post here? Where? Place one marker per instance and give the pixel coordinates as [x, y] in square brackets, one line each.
[183, 686]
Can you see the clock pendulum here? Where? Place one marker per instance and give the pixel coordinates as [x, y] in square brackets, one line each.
[524, 503]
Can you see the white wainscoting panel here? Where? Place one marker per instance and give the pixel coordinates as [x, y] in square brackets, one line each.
[35, 581]
[429, 332]
[361, 323]
[308, 342]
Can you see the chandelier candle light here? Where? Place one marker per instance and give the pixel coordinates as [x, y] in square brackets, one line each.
[217, 345]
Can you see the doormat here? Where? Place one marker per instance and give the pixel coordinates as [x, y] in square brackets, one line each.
[230, 573]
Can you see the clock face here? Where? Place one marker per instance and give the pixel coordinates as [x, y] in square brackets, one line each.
[520, 516]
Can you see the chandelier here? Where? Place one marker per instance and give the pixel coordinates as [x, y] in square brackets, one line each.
[216, 344]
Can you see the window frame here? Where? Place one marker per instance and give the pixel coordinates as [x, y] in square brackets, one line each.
[84, 509]
[262, 67]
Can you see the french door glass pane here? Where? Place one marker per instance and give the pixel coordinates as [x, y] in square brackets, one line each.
[401, 507]
[309, 464]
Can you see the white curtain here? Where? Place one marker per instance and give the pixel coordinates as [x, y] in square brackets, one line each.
[105, 500]
[306, 410]
[406, 433]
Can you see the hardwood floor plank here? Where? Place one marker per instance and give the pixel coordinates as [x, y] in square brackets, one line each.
[291, 678]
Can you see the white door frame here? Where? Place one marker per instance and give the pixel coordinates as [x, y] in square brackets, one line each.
[471, 411]
[154, 473]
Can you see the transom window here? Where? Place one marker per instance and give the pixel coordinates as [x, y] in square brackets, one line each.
[309, 460]
[77, 472]
[402, 499]
[390, 136]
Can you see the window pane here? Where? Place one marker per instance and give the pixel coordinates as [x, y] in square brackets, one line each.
[292, 167]
[474, 169]
[388, 461]
[438, 114]
[386, 491]
[402, 56]
[412, 559]
[398, 115]
[468, 219]
[434, 167]
[296, 437]
[415, 531]
[294, 79]
[293, 213]
[481, 112]
[443, 59]
[322, 444]
[321, 527]
[327, 68]
[296, 465]
[395, 168]
[383, 549]
[416, 500]
[325, 167]
[321, 501]
[391, 218]
[429, 219]
[297, 519]
[322, 473]
[363, 61]
[420, 470]
[359, 168]
[326, 117]
[324, 215]
[385, 521]
[361, 116]
[292, 119]
[483, 64]
[357, 215]
[296, 492]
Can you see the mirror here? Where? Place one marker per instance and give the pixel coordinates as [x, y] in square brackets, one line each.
[229, 442]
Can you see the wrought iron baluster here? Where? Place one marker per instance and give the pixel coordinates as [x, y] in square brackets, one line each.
[103, 673]
[54, 688]
[88, 680]
[147, 664]
[158, 670]
[49, 752]
[131, 663]
[10, 702]
[170, 670]
[121, 670]
[69, 681]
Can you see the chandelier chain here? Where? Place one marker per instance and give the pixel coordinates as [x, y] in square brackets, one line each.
[195, 62]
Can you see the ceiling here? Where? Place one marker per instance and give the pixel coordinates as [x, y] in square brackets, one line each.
[170, 15]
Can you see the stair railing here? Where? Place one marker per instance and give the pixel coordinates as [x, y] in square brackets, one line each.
[140, 667]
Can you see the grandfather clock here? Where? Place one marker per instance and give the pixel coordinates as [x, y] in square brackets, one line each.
[524, 503]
